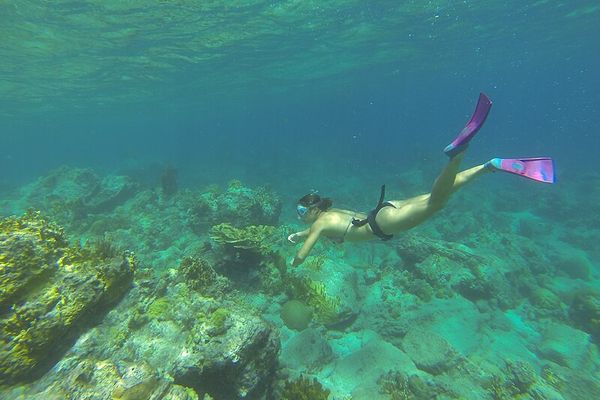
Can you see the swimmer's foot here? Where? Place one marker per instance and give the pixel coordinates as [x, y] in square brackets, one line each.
[484, 104]
[539, 169]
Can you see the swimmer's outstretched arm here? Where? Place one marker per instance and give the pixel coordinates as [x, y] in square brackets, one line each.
[313, 236]
[298, 236]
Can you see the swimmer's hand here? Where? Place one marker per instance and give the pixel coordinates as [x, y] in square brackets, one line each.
[296, 261]
[298, 236]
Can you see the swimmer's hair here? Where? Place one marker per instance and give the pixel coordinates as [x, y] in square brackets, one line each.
[314, 200]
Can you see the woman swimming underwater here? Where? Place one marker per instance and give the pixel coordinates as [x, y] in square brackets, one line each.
[390, 217]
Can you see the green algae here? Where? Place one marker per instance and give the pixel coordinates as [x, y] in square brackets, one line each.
[28, 244]
[517, 381]
[217, 321]
[313, 293]
[197, 272]
[159, 308]
[49, 291]
[395, 385]
[304, 389]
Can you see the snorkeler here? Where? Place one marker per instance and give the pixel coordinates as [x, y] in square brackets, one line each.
[390, 217]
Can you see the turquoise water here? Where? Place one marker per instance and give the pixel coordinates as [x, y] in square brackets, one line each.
[339, 97]
[189, 80]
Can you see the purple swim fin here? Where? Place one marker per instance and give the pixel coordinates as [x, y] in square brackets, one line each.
[484, 104]
[539, 169]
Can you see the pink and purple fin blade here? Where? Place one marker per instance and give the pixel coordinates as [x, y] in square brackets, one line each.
[539, 169]
[484, 104]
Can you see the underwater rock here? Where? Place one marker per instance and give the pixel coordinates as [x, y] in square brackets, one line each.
[414, 249]
[533, 227]
[572, 383]
[585, 311]
[238, 206]
[238, 364]
[307, 350]
[364, 358]
[102, 379]
[438, 267]
[567, 346]
[50, 292]
[211, 344]
[521, 375]
[546, 304]
[442, 269]
[70, 194]
[574, 263]
[165, 329]
[110, 193]
[429, 351]
[397, 385]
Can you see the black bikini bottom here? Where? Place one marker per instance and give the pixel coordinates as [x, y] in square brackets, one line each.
[372, 215]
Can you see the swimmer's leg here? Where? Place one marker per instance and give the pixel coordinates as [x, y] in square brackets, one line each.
[467, 176]
[450, 180]
[414, 211]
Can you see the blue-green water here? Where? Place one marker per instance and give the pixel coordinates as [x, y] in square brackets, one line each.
[341, 97]
[205, 86]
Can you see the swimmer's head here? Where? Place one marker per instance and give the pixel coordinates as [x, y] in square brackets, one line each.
[311, 205]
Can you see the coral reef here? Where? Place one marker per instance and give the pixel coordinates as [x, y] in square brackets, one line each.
[296, 315]
[165, 330]
[518, 380]
[158, 308]
[103, 379]
[70, 194]
[439, 317]
[304, 389]
[28, 245]
[198, 274]
[326, 308]
[395, 385]
[430, 352]
[573, 263]
[256, 249]
[50, 292]
[258, 239]
[230, 355]
[315, 263]
[585, 311]
[546, 303]
[443, 269]
[238, 206]
[398, 386]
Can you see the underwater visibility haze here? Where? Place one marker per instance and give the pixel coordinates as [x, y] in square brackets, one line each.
[152, 154]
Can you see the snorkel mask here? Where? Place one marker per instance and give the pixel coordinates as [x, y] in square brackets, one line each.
[312, 200]
[302, 211]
